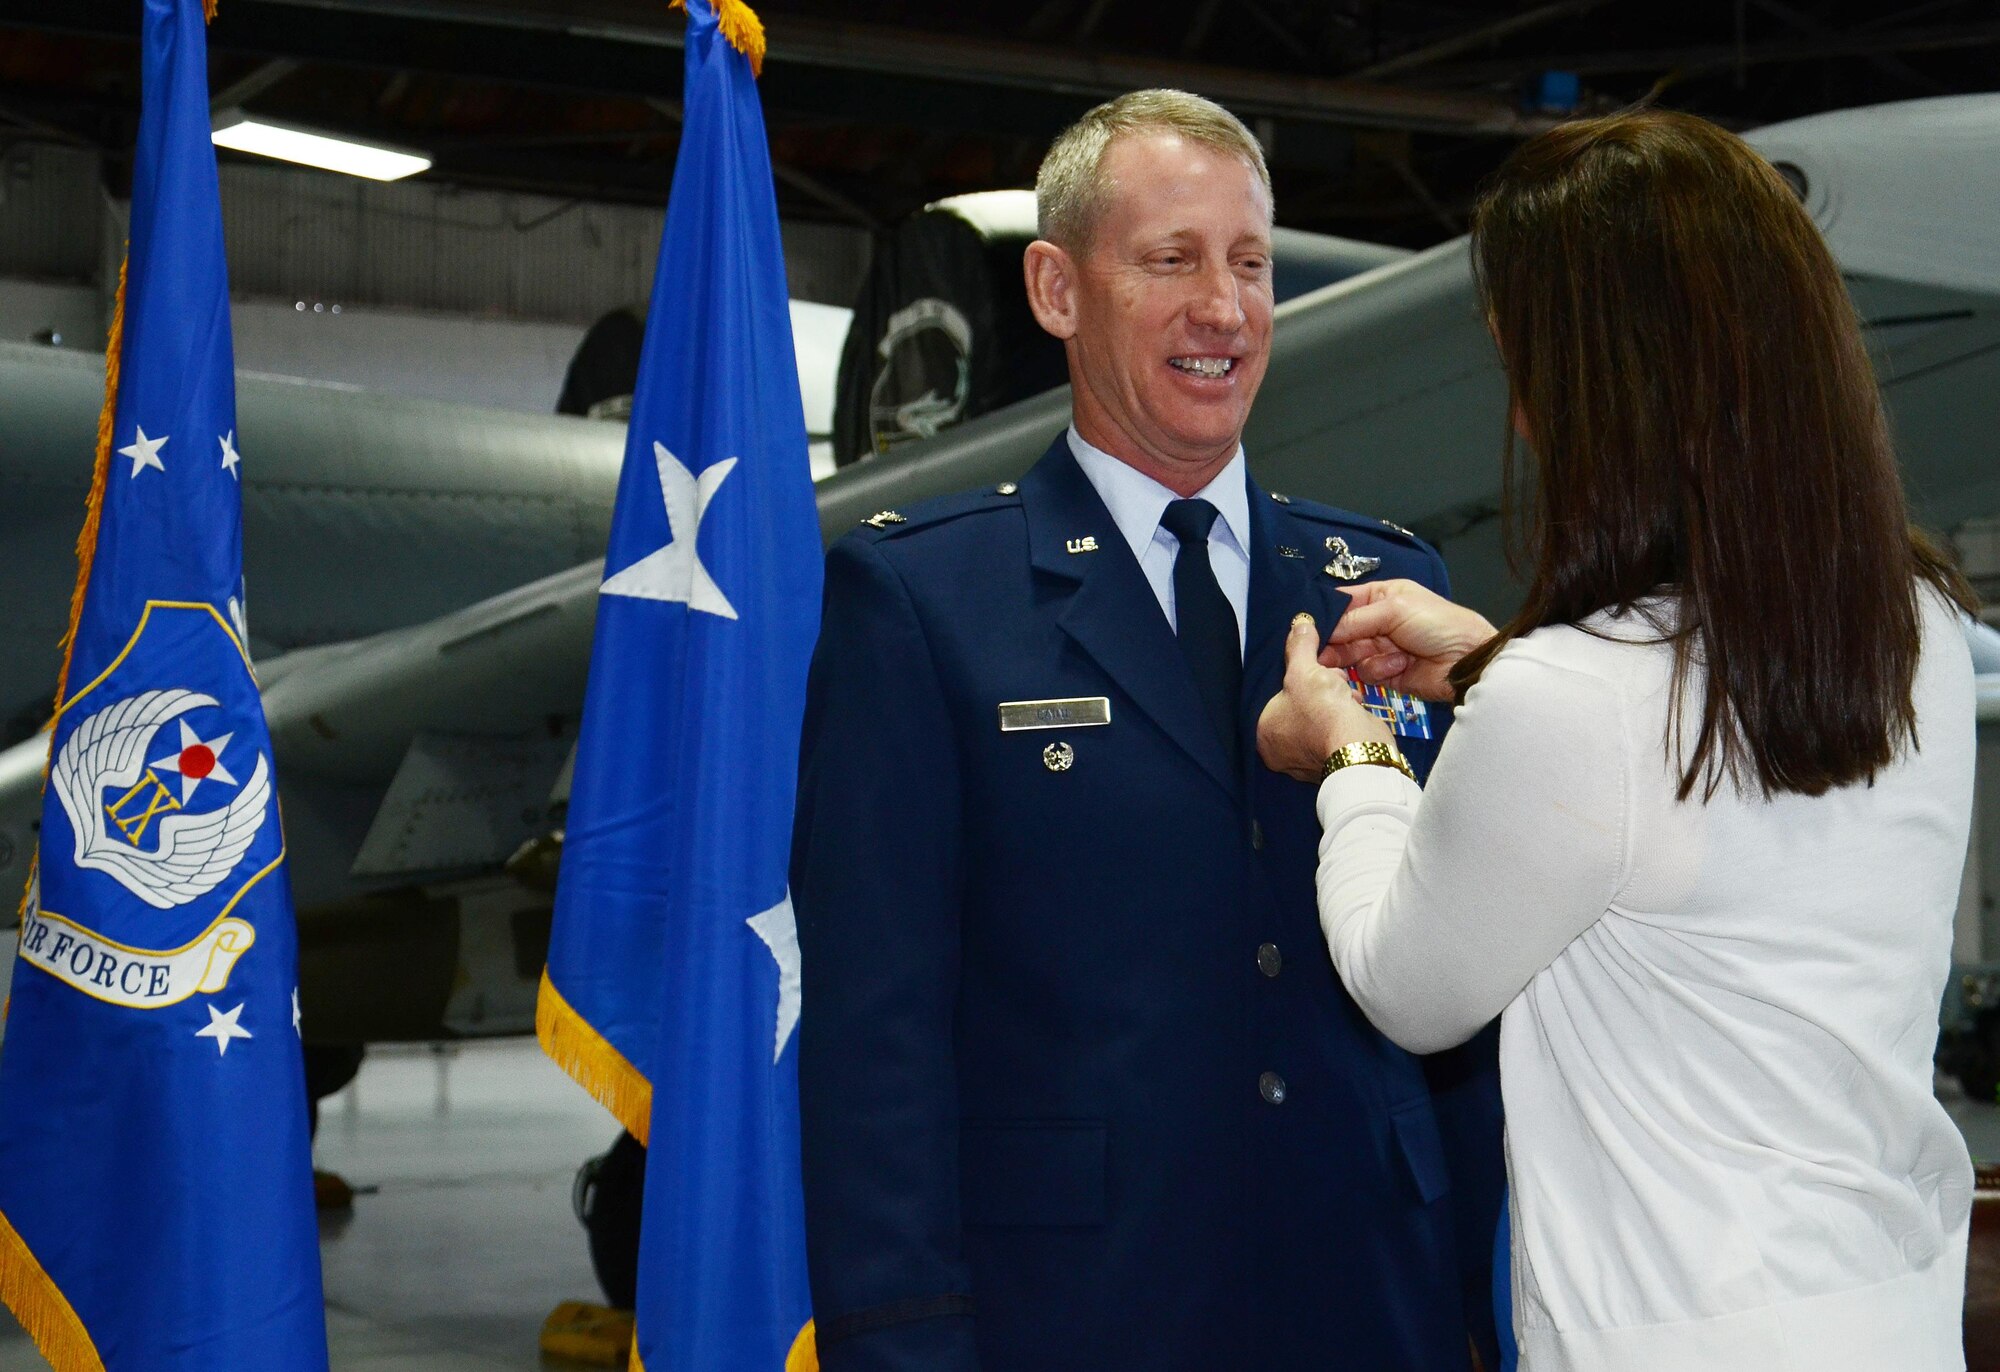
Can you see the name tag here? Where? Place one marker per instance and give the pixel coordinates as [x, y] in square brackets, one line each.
[1016, 715]
[1406, 716]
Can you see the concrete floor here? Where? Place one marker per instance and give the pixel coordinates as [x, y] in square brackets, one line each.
[462, 1240]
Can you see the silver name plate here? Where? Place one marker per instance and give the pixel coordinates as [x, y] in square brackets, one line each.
[1016, 715]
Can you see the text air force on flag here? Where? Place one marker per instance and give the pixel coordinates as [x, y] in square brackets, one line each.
[673, 989]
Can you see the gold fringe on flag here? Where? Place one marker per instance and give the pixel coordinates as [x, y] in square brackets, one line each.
[591, 1061]
[42, 1309]
[804, 1356]
[742, 27]
[86, 541]
[93, 508]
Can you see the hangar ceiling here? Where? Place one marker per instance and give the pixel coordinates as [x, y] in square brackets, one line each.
[1380, 117]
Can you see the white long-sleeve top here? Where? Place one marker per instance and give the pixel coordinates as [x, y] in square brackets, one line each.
[1722, 1142]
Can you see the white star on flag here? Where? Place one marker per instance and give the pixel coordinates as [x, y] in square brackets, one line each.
[145, 453]
[222, 1027]
[198, 760]
[779, 928]
[230, 457]
[675, 573]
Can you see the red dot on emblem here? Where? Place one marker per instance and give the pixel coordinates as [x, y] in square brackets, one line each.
[197, 761]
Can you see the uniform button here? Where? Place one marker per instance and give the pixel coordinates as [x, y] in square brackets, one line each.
[1269, 960]
[1256, 836]
[1271, 1087]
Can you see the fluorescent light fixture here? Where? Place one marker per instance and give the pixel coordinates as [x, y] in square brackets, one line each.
[315, 148]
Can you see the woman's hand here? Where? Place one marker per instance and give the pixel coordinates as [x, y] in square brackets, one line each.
[1315, 714]
[1404, 636]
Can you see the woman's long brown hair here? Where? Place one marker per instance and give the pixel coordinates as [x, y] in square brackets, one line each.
[1705, 423]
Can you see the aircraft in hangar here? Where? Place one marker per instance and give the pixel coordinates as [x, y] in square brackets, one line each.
[422, 577]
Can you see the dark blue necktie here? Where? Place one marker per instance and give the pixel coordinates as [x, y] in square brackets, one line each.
[1204, 620]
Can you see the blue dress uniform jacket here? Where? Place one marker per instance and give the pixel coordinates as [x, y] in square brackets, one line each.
[1080, 1088]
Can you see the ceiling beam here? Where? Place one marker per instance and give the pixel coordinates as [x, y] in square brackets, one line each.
[1870, 45]
[804, 183]
[797, 42]
[254, 83]
[1889, 63]
[1472, 38]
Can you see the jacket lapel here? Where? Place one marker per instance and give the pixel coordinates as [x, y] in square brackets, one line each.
[1280, 587]
[1109, 609]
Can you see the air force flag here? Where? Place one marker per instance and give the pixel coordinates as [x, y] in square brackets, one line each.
[156, 1208]
[673, 988]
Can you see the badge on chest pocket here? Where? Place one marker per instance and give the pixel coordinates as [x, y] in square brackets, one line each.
[1073, 712]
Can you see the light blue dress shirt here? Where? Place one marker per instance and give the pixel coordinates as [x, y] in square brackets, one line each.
[1136, 502]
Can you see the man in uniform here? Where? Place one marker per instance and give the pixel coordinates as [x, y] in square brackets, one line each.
[1081, 1091]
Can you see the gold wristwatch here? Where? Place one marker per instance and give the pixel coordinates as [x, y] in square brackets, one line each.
[1366, 754]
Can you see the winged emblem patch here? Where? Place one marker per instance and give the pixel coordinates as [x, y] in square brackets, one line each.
[139, 828]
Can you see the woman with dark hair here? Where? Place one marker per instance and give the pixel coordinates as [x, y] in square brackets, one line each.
[1696, 834]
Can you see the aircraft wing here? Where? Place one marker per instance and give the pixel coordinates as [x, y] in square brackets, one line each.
[483, 701]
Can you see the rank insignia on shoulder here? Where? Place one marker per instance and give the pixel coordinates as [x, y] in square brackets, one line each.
[1281, 499]
[1284, 551]
[1006, 488]
[882, 519]
[1406, 716]
[1346, 565]
[1387, 524]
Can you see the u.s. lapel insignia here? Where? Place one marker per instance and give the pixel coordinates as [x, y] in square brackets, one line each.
[1346, 564]
[1086, 544]
[882, 519]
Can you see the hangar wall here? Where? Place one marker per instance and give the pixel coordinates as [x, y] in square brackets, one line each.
[470, 295]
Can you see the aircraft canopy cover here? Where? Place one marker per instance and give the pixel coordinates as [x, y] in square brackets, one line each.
[1904, 191]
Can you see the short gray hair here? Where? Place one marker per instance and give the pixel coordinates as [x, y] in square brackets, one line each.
[1070, 192]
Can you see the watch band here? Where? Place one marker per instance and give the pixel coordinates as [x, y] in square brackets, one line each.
[1366, 754]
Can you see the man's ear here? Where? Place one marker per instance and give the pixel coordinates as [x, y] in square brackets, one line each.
[1051, 276]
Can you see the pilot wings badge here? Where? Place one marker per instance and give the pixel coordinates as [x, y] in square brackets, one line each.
[1348, 565]
[112, 753]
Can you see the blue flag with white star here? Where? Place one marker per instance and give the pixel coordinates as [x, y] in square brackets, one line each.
[156, 1203]
[672, 990]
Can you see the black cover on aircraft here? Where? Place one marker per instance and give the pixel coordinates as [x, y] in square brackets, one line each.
[606, 365]
[941, 328]
[942, 331]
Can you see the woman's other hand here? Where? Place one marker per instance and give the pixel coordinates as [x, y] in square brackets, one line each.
[1316, 712]
[1404, 636]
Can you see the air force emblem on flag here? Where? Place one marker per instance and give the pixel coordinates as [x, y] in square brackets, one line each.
[131, 824]
[161, 774]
